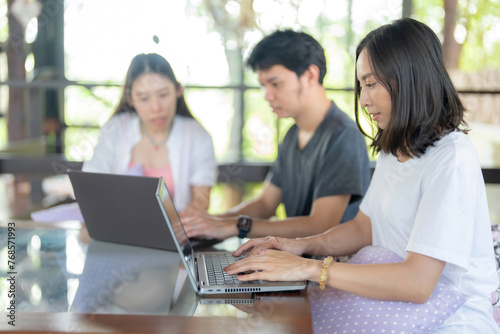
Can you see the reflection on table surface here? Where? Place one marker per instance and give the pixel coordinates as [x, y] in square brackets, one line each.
[63, 271]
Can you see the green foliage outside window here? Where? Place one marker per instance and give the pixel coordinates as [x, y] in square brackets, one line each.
[478, 29]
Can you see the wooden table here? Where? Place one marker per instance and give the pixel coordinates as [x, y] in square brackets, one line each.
[67, 283]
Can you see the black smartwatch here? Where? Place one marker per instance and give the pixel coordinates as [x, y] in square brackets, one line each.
[244, 225]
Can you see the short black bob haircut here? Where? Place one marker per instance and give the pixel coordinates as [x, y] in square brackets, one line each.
[294, 50]
[406, 58]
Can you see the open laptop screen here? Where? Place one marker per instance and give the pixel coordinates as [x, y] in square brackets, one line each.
[177, 230]
[198, 274]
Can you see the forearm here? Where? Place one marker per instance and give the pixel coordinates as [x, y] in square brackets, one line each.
[340, 240]
[294, 227]
[200, 197]
[253, 208]
[291, 228]
[389, 281]
[326, 212]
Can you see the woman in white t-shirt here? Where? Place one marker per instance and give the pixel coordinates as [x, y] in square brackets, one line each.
[153, 133]
[426, 201]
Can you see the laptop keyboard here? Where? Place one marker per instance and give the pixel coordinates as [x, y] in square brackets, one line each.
[216, 275]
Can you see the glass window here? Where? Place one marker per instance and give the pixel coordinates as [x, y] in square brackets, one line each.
[80, 142]
[115, 31]
[90, 107]
[259, 129]
[214, 110]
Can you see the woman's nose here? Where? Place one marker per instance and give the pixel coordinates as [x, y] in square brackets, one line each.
[364, 98]
[155, 104]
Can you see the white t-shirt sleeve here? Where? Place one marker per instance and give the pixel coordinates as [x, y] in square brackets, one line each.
[444, 222]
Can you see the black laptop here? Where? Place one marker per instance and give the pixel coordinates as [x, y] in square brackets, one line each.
[121, 209]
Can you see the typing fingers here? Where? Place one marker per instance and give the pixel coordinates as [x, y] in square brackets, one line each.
[248, 246]
[255, 246]
[273, 265]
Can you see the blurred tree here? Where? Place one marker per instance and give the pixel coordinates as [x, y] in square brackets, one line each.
[232, 20]
[451, 48]
[16, 56]
[469, 29]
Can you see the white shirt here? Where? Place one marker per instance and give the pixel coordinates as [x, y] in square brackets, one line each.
[190, 152]
[436, 205]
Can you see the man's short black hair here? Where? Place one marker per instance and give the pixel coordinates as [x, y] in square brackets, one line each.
[294, 50]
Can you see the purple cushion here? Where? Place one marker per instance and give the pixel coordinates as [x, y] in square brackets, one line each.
[495, 296]
[336, 311]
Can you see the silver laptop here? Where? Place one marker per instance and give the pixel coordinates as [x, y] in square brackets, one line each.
[204, 269]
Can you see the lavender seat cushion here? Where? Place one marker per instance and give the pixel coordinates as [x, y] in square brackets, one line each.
[336, 311]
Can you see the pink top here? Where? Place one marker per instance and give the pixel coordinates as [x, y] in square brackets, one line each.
[166, 172]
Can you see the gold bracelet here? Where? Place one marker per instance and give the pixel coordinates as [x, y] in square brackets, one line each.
[324, 275]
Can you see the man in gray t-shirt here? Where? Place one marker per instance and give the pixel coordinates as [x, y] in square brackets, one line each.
[322, 169]
[334, 162]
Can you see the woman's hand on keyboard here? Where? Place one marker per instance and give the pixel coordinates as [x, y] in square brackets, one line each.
[257, 245]
[275, 265]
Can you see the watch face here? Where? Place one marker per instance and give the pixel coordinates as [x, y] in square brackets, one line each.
[244, 223]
